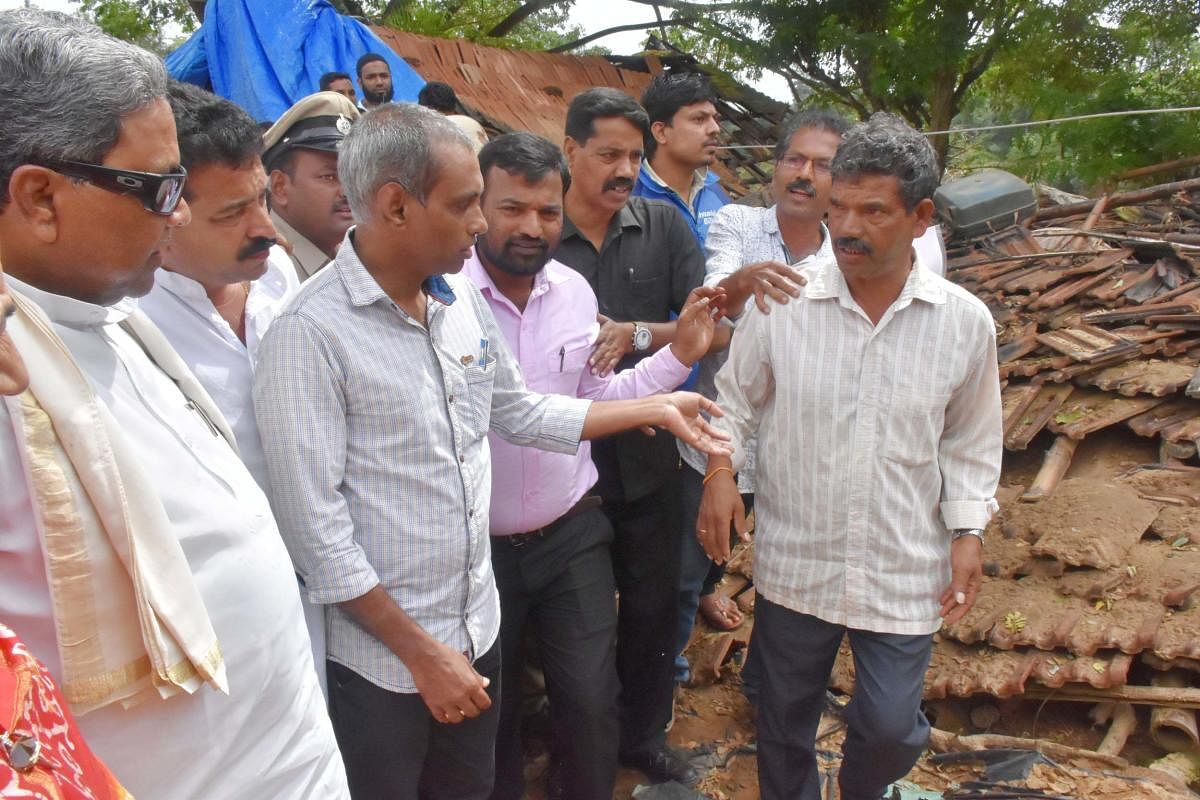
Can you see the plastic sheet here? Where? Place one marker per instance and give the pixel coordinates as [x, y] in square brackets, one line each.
[265, 55]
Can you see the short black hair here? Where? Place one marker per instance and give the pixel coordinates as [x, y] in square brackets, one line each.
[599, 103]
[526, 154]
[329, 77]
[825, 119]
[367, 58]
[666, 94]
[438, 96]
[887, 145]
[211, 129]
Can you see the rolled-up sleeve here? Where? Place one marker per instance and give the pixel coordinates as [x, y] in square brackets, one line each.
[551, 422]
[301, 412]
[745, 384]
[972, 446]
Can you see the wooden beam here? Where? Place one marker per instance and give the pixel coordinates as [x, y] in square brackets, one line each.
[1119, 199]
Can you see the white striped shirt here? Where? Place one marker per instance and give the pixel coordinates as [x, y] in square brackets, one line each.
[740, 235]
[864, 433]
[375, 430]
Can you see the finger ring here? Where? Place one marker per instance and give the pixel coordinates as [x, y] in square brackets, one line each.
[462, 713]
[702, 530]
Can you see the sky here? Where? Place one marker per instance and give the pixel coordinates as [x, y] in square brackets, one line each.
[591, 15]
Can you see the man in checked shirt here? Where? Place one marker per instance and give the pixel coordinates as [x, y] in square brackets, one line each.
[876, 403]
[374, 393]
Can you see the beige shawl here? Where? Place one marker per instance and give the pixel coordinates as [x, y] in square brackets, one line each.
[130, 621]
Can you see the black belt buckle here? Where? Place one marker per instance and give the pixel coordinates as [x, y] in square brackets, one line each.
[519, 541]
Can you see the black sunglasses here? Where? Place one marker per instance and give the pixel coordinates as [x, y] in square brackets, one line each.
[159, 193]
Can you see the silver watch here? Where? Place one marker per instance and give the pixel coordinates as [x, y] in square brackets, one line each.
[641, 338]
[958, 533]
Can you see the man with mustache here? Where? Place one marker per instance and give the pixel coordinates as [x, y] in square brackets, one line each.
[876, 404]
[685, 133]
[377, 388]
[143, 563]
[641, 259]
[550, 541]
[224, 279]
[308, 206]
[754, 253]
[375, 78]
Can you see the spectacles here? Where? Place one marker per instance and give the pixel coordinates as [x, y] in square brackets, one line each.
[158, 193]
[799, 161]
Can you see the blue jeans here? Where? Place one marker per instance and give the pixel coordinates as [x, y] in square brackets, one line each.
[698, 575]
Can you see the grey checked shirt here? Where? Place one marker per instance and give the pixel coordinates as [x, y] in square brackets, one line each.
[375, 431]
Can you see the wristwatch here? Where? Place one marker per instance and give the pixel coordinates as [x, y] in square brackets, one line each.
[958, 533]
[641, 338]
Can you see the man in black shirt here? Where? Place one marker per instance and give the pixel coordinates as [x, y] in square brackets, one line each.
[641, 259]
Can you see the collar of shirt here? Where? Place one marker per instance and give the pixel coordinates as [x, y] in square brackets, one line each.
[825, 282]
[362, 288]
[265, 294]
[770, 228]
[74, 313]
[699, 181]
[308, 257]
[549, 275]
[625, 218]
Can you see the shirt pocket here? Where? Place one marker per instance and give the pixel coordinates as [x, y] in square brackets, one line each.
[649, 298]
[480, 379]
[914, 422]
[565, 367]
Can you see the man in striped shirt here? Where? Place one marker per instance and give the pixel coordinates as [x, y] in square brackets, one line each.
[375, 391]
[876, 403]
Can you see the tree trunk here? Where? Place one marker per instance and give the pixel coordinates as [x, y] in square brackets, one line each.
[941, 113]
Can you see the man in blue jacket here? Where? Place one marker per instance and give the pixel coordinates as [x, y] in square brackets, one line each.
[682, 144]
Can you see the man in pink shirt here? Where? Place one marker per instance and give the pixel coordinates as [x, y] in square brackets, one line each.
[550, 542]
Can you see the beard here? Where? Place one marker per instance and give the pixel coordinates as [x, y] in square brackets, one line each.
[378, 98]
[505, 260]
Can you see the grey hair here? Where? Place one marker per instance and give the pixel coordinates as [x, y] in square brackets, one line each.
[65, 88]
[823, 119]
[886, 145]
[393, 144]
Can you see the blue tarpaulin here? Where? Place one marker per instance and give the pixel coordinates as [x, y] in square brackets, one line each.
[265, 55]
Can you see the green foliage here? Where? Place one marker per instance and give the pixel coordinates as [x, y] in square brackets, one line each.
[147, 23]
[474, 19]
[974, 62]
[1138, 54]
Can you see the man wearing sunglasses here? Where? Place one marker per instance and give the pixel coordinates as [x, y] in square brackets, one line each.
[138, 556]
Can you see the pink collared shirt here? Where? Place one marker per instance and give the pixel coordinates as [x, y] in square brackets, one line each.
[552, 339]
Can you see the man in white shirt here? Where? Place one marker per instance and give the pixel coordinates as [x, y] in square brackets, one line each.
[754, 253]
[223, 278]
[876, 403]
[175, 629]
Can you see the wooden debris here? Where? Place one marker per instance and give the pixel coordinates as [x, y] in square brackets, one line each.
[1055, 466]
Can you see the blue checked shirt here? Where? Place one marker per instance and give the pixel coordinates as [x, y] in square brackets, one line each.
[375, 431]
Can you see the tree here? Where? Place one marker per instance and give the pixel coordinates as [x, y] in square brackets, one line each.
[925, 59]
[1145, 55]
[148, 23]
[508, 23]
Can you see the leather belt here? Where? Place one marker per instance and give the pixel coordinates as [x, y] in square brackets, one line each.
[519, 540]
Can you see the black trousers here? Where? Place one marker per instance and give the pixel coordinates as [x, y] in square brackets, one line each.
[886, 730]
[395, 750]
[645, 555]
[562, 588]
